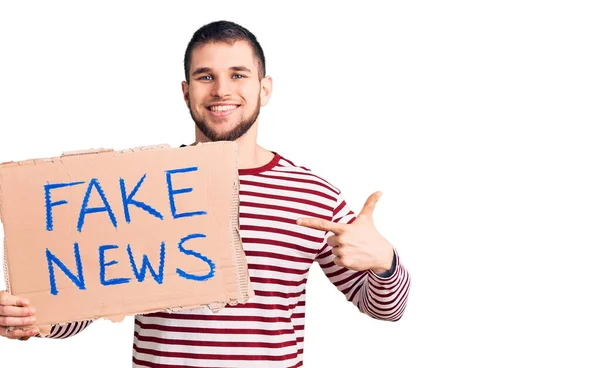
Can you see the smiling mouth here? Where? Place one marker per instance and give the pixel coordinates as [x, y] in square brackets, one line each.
[220, 111]
[222, 108]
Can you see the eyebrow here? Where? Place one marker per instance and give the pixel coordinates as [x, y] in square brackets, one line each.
[240, 69]
[205, 69]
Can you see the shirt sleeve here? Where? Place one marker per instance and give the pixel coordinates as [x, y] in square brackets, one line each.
[67, 330]
[382, 296]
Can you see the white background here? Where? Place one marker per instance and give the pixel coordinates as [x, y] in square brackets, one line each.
[478, 120]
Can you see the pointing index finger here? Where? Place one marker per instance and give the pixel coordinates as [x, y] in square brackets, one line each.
[320, 224]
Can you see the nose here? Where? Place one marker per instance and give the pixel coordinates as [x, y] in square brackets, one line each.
[221, 88]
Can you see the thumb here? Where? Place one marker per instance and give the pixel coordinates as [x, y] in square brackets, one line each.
[369, 206]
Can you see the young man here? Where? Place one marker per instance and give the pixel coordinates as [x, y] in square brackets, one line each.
[289, 218]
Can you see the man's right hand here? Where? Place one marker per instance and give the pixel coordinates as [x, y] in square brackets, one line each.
[16, 317]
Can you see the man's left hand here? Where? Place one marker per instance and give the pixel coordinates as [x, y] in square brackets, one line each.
[357, 246]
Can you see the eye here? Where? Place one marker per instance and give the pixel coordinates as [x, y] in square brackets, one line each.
[205, 78]
[238, 76]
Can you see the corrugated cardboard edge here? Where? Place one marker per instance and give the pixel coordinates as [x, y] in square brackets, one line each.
[90, 151]
[242, 278]
[242, 274]
[5, 263]
[6, 280]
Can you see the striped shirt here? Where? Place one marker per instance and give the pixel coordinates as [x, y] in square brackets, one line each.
[268, 330]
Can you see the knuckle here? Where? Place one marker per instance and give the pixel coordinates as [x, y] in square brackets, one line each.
[15, 334]
[3, 310]
[3, 321]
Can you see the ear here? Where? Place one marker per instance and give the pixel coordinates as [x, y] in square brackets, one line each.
[266, 86]
[185, 88]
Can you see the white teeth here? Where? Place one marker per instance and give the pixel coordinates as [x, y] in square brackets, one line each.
[221, 108]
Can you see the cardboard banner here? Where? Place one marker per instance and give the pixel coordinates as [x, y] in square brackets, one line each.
[106, 234]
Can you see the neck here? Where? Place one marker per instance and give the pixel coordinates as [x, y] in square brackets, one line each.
[250, 154]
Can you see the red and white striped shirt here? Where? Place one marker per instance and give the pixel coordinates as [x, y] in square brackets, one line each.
[268, 330]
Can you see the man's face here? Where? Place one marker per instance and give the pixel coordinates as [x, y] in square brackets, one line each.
[224, 94]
